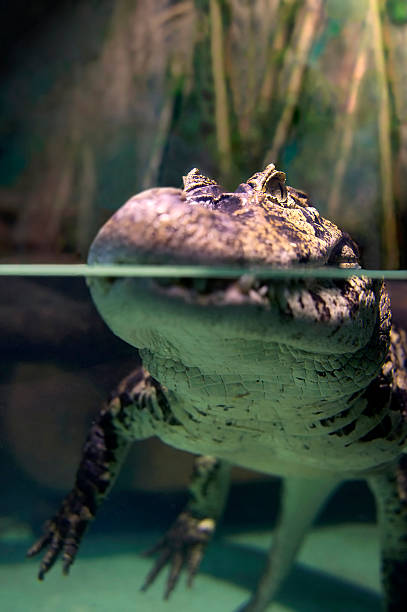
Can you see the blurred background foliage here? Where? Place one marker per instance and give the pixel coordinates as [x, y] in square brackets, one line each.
[102, 98]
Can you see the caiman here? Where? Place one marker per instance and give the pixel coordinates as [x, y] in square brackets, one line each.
[304, 378]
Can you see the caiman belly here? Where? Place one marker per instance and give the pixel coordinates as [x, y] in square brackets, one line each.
[281, 415]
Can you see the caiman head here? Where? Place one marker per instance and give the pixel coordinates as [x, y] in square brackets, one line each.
[262, 223]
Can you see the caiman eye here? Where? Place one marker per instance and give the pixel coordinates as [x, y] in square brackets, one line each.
[270, 182]
[276, 187]
[345, 254]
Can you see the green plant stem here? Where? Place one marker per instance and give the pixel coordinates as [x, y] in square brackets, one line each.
[219, 78]
[345, 127]
[390, 243]
[310, 17]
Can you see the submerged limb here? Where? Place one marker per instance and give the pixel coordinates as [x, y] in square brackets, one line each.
[181, 547]
[103, 453]
[389, 489]
[184, 544]
[301, 501]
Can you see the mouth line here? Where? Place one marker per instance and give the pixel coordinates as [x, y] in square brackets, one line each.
[243, 290]
[248, 289]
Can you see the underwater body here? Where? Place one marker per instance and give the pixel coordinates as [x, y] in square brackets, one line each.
[338, 566]
[342, 334]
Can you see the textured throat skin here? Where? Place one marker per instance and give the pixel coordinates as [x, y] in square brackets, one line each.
[277, 376]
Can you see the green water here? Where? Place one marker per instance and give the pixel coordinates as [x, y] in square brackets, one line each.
[58, 363]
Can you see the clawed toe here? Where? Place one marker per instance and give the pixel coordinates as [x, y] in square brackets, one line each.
[182, 547]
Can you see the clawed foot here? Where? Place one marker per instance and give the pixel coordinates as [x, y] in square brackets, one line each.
[182, 546]
[62, 534]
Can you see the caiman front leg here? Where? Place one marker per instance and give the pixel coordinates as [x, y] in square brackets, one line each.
[130, 413]
[390, 491]
[185, 542]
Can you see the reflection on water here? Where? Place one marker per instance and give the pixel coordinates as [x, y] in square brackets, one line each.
[59, 362]
[195, 271]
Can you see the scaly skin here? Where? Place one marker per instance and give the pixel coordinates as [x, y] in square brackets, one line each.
[300, 378]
